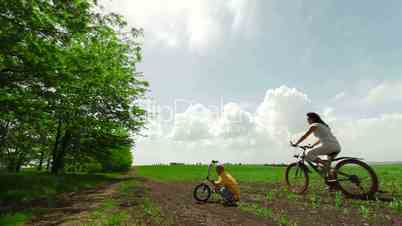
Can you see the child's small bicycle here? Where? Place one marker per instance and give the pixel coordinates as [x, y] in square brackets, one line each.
[203, 191]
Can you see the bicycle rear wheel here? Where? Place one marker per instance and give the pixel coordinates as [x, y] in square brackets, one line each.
[356, 179]
[296, 176]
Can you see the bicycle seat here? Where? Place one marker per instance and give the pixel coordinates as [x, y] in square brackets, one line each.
[332, 156]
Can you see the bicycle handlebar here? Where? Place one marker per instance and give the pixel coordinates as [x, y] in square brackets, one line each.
[303, 147]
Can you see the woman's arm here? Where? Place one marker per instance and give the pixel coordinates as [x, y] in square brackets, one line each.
[316, 143]
[310, 131]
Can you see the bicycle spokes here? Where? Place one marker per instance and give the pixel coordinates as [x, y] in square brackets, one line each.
[356, 178]
[296, 178]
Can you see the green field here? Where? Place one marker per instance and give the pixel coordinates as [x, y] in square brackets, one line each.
[19, 190]
[390, 176]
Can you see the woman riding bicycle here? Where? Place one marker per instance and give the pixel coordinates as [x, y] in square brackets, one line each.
[327, 143]
[352, 176]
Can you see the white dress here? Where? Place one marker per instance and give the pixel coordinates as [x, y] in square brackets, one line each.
[328, 142]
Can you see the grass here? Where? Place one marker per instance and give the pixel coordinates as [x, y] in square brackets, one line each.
[15, 219]
[24, 187]
[338, 199]
[256, 209]
[281, 218]
[244, 173]
[27, 186]
[364, 210]
[390, 176]
[19, 189]
[107, 214]
[141, 210]
[396, 205]
[315, 201]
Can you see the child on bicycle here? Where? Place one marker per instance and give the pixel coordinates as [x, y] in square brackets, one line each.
[227, 187]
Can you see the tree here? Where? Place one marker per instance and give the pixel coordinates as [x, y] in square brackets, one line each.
[68, 81]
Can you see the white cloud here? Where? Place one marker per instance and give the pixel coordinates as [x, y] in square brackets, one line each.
[387, 91]
[234, 135]
[230, 135]
[283, 111]
[192, 125]
[375, 139]
[244, 15]
[338, 97]
[234, 122]
[153, 130]
[192, 23]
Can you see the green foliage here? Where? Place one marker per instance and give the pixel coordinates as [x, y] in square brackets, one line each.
[68, 85]
[27, 186]
[120, 160]
[315, 201]
[106, 214]
[256, 209]
[291, 196]
[364, 211]
[338, 200]
[15, 219]
[396, 204]
[270, 196]
[283, 219]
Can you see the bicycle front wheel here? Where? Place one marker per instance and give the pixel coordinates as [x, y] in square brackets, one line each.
[296, 177]
[202, 192]
[356, 179]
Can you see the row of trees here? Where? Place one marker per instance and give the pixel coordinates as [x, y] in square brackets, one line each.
[68, 86]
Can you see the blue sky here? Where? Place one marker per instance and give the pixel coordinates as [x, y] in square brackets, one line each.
[345, 56]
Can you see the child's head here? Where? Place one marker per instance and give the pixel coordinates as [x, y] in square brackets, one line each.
[220, 169]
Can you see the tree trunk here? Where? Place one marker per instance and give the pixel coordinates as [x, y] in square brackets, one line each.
[10, 160]
[41, 158]
[58, 164]
[49, 159]
[19, 162]
[54, 168]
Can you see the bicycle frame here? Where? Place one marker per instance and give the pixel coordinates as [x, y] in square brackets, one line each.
[302, 161]
[213, 163]
[208, 180]
[313, 165]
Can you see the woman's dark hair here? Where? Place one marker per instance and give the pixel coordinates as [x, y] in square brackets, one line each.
[316, 118]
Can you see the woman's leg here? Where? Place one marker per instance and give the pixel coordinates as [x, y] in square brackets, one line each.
[313, 153]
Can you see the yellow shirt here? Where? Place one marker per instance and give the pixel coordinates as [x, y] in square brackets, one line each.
[228, 181]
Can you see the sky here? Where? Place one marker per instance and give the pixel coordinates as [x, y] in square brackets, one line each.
[232, 80]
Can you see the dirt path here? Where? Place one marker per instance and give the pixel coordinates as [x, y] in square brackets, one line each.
[72, 206]
[176, 201]
[150, 203]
